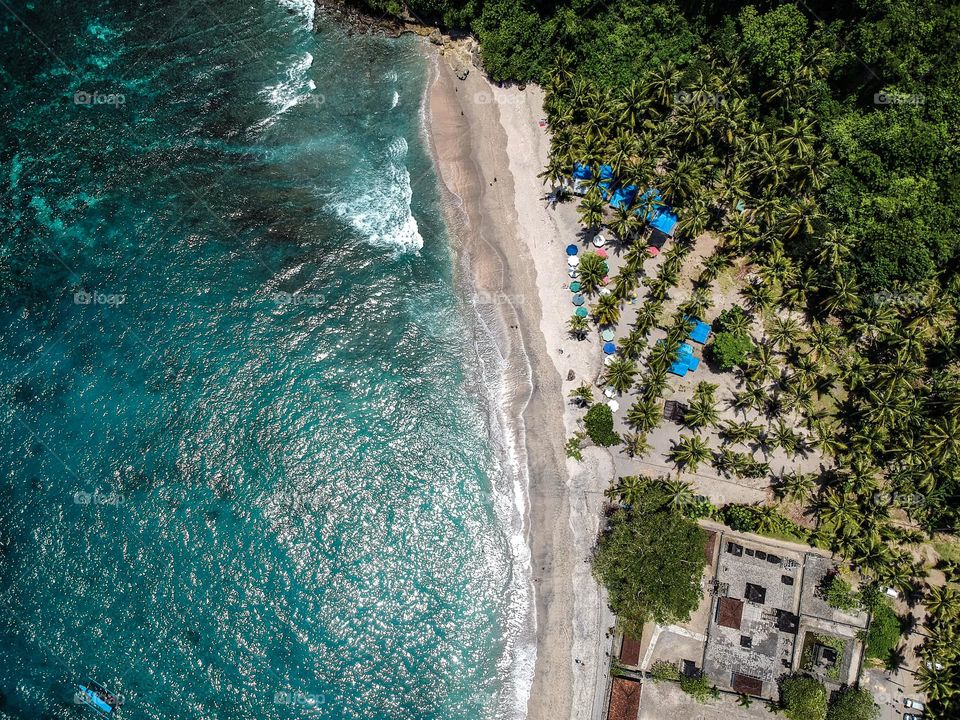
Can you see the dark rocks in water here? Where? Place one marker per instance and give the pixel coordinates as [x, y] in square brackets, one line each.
[192, 637]
[571, 375]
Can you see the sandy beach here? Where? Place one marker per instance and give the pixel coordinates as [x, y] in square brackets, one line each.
[489, 147]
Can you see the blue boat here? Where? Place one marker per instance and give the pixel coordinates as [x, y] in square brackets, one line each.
[95, 696]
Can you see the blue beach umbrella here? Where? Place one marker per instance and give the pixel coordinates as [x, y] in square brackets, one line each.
[607, 335]
[609, 348]
[578, 300]
[575, 286]
[581, 312]
[572, 250]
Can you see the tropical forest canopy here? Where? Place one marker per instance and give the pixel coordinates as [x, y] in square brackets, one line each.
[872, 87]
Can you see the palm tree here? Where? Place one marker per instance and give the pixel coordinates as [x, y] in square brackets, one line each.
[795, 486]
[783, 331]
[633, 345]
[582, 395]
[624, 224]
[635, 445]
[578, 327]
[701, 413]
[759, 296]
[624, 285]
[842, 294]
[647, 316]
[688, 452]
[697, 304]
[607, 310]
[591, 209]
[942, 602]
[936, 684]
[590, 272]
[644, 415]
[784, 437]
[679, 494]
[943, 436]
[628, 489]
[740, 432]
[620, 374]
[737, 323]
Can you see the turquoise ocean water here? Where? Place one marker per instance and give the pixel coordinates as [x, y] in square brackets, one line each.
[246, 467]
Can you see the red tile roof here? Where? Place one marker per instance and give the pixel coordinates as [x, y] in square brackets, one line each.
[630, 651]
[730, 613]
[624, 699]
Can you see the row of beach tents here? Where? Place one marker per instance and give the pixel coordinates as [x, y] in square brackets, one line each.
[661, 216]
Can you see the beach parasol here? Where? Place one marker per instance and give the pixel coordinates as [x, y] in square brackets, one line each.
[610, 392]
[607, 335]
[609, 348]
[602, 253]
[572, 250]
[599, 241]
[581, 312]
[575, 286]
[606, 279]
[573, 261]
[614, 405]
[654, 251]
[578, 300]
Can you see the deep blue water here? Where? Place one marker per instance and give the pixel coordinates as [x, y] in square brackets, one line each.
[244, 472]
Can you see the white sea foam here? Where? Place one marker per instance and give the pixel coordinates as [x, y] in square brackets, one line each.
[504, 380]
[391, 75]
[289, 92]
[396, 99]
[305, 8]
[380, 208]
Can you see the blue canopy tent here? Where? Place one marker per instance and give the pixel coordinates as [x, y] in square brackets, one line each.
[623, 197]
[700, 332]
[664, 220]
[581, 171]
[606, 181]
[582, 174]
[661, 216]
[685, 361]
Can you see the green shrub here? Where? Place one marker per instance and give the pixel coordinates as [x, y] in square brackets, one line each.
[853, 704]
[763, 520]
[884, 633]
[699, 688]
[729, 350]
[651, 561]
[803, 698]
[838, 593]
[599, 424]
[735, 320]
[662, 670]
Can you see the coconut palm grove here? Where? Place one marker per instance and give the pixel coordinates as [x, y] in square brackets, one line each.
[817, 145]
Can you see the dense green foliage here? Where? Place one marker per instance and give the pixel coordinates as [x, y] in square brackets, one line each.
[650, 559]
[885, 631]
[803, 698]
[663, 670]
[729, 350]
[762, 519]
[838, 593]
[853, 704]
[699, 688]
[872, 86]
[599, 424]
